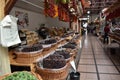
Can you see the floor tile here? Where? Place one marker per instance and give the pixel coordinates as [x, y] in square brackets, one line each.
[82, 76]
[91, 68]
[105, 66]
[86, 61]
[86, 56]
[91, 79]
[87, 47]
[89, 50]
[105, 77]
[88, 76]
[116, 61]
[98, 50]
[99, 53]
[118, 67]
[101, 57]
[87, 53]
[91, 76]
[82, 68]
[86, 68]
[107, 69]
[115, 77]
[104, 62]
[97, 47]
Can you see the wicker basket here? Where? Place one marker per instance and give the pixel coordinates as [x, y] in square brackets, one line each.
[27, 58]
[53, 74]
[28, 54]
[69, 59]
[35, 74]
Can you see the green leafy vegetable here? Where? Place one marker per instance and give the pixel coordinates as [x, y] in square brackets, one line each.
[21, 76]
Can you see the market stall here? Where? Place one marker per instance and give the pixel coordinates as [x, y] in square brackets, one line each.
[45, 56]
[112, 16]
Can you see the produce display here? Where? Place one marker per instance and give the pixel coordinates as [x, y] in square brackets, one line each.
[115, 35]
[76, 37]
[69, 45]
[54, 61]
[35, 47]
[49, 41]
[64, 53]
[63, 36]
[67, 34]
[21, 76]
[117, 32]
[73, 43]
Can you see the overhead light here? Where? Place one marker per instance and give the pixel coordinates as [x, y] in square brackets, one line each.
[72, 9]
[89, 2]
[85, 25]
[88, 12]
[88, 16]
[83, 18]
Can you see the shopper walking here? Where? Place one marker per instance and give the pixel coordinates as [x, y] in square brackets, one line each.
[106, 31]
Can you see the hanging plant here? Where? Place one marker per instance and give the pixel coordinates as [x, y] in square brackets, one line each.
[67, 1]
[62, 1]
[57, 1]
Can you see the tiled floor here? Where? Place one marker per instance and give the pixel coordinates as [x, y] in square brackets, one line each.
[95, 63]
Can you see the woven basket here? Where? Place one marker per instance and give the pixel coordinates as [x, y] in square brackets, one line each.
[62, 42]
[53, 74]
[27, 58]
[53, 45]
[46, 52]
[46, 49]
[68, 60]
[28, 54]
[35, 74]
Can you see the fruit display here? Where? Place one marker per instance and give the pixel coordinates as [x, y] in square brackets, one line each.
[63, 36]
[64, 53]
[117, 32]
[73, 43]
[50, 41]
[77, 36]
[54, 61]
[69, 45]
[20, 76]
[35, 47]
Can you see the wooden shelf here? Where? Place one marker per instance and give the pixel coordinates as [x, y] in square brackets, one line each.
[45, 53]
[13, 62]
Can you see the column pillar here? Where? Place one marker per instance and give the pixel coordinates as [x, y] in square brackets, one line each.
[4, 58]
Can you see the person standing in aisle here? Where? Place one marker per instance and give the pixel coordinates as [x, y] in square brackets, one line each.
[106, 31]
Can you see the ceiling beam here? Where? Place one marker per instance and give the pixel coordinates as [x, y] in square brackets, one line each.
[33, 4]
[103, 2]
[9, 5]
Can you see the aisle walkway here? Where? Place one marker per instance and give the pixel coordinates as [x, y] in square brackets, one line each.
[94, 62]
